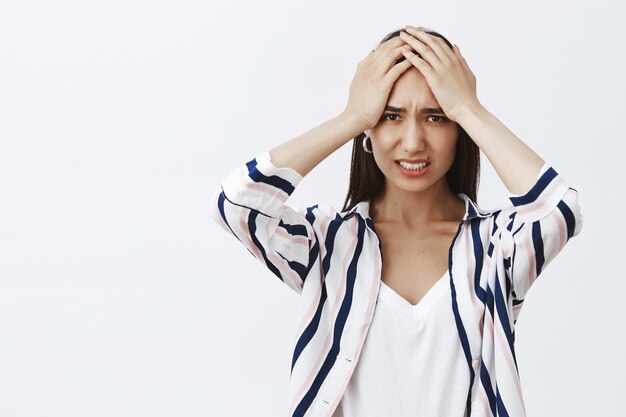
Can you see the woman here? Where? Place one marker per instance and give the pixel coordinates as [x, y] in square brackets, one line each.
[429, 331]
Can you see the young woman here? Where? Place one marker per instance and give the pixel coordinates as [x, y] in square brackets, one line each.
[430, 331]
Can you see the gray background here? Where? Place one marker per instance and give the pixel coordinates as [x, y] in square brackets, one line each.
[118, 294]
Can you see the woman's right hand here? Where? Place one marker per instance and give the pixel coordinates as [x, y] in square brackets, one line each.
[374, 78]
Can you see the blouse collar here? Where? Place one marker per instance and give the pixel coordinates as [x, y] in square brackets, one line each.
[471, 209]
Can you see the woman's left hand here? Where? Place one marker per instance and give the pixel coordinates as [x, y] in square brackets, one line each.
[449, 77]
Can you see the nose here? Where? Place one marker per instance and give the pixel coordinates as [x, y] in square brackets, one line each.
[413, 140]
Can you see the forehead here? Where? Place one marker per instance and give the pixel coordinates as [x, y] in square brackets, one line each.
[412, 88]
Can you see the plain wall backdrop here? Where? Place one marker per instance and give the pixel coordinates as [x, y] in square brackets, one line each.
[119, 296]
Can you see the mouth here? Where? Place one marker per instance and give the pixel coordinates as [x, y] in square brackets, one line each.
[415, 165]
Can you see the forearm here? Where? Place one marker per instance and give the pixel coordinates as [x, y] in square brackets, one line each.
[516, 163]
[306, 151]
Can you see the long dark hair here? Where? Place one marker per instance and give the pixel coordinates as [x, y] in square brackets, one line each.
[367, 181]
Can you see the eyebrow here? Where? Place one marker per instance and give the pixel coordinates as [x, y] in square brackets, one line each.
[424, 110]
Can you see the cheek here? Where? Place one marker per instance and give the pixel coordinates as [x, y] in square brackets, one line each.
[381, 148]
[447, 152]
[382, 156]
[453, 150]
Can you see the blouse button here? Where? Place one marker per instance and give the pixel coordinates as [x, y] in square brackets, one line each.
[475, 363]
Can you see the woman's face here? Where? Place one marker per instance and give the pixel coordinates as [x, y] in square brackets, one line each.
[414, 133]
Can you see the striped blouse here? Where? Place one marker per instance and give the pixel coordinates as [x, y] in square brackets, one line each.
[333, 261]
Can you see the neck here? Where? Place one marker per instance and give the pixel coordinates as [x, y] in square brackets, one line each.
[406, 208]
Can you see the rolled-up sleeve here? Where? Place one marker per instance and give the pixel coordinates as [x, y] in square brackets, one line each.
[539, 225]
[250, 205]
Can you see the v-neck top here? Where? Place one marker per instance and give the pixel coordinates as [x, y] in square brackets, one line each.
[419, 310]
[411, 362]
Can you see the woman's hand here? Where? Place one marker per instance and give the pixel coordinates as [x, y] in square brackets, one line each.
[374, 78]
[449, 77]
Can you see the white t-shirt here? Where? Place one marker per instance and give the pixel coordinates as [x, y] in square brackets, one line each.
[412, 362]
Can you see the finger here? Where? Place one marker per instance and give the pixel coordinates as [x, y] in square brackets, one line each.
[422, 65]
[441, 50]
[388, 44]
[380, 47]
[398, 69]
[422, 49]
[396, 55]
[388, 60]
[438, 45]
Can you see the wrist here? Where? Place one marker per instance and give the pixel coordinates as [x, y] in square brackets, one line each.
[356, 122]
[471, 112]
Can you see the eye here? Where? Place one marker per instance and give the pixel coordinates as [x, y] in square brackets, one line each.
[388, 114]
[441, 118]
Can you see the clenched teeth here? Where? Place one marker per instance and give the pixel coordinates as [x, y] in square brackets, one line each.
[406, 165]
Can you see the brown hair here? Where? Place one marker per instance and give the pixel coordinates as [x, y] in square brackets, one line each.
[367, 181]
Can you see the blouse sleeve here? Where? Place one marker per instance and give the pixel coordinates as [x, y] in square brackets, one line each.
[250, 205]
[539, 225]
